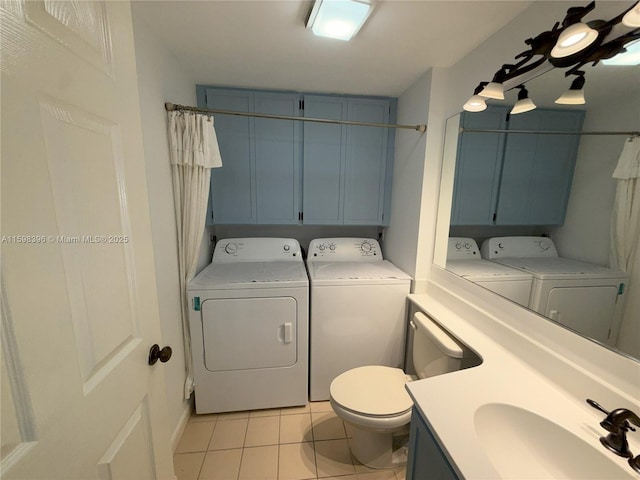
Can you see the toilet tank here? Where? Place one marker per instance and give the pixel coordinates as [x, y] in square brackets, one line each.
[434, 351]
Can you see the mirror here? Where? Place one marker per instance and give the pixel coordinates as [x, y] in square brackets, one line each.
[613, 104]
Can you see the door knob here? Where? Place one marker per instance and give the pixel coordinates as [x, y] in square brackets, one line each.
[156, 354]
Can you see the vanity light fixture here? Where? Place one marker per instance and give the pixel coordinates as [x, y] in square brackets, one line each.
[575, 94]
[632, 17]
[571, 44]
[340, 19]
[476, 103]
[524, 103]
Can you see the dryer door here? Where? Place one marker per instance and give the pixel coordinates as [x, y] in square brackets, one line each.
[249, 333]
[588, 310]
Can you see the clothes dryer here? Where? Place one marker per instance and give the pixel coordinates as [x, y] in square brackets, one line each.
[249, 326]
[585, 297]
[358, 309]
[463, 259]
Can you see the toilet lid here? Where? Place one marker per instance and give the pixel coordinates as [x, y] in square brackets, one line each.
[372, 390]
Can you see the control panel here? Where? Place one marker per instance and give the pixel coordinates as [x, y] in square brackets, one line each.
[461, 248]
[344, 249]
[520, 247]
[256, 250]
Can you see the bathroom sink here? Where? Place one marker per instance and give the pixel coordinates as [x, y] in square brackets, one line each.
[521, 444]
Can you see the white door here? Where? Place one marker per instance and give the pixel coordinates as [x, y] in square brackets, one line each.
[79, 310]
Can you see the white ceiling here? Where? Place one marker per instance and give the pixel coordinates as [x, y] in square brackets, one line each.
[264, 44]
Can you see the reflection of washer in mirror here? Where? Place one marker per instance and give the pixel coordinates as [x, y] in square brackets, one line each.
[582, 296]
[463, 259]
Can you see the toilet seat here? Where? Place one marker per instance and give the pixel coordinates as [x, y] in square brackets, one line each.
[372, 391]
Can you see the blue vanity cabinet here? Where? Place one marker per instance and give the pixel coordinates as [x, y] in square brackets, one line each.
[478, 167]
[346, 167]
[426, 458]
[260, 179]
[538, 168]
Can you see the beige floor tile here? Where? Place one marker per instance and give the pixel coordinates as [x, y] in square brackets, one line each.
[187, 465]
[296, 462]
[320, 406]
[295, 410]
[195, 437]
[333, 458]
[221, 465]
[233, 415]
[341, 477]
[262, 431]
[295, 428]
[207, 417]
[327, 426]
[401, 473]
[377, 475]
[269, 412]
[259, 463]
[229, 434]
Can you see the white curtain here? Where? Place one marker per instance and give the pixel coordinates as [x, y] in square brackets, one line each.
[625, 222]
[194, 152]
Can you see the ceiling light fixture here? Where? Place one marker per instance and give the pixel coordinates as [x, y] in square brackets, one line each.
[524, 103]
[340, 19]
[632, 17]
[575, 94]
[476, 103]
[571, 44]
[630, 56]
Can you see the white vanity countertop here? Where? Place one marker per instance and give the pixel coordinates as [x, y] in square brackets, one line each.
[449, 402]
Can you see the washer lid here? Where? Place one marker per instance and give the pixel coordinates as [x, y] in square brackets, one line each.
[560, 268]
[372, 390]
[383, 271]
[485, 270]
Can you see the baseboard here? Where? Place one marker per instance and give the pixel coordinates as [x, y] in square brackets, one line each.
[182, 424]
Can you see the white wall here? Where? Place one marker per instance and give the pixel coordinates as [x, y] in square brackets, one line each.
[161, 79]
[401, 238]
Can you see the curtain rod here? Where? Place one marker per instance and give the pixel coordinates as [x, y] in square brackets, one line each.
[210, 111]
[547, 132]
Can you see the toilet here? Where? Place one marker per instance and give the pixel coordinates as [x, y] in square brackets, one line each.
[374, 404]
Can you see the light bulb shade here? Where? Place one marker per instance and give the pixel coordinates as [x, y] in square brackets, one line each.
[632, 17]
[574, 39]
[475, 104]
[571, 97]
[524, 105]
[340, 19]
[493, 90]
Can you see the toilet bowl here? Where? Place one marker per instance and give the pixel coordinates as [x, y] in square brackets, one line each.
[373, 402]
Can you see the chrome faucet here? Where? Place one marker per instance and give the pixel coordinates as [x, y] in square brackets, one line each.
[617, 424]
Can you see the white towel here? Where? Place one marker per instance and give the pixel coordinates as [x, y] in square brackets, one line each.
[629, 162]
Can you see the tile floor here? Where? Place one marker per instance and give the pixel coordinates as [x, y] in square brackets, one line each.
[296, 443]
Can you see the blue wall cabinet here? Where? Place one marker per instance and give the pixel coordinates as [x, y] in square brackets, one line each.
[426, 458]
[515, 178]
[347, 168]
[478, 166]
[538, 169]
[260, 177]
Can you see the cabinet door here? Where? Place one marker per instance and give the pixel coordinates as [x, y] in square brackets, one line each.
[366, 158]
[277, 156]
[324, 161]
[233, 185]
[478, 165]
[426, 459]
[538, 169]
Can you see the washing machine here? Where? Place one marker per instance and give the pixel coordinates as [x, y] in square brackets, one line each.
[463, 259]
[358, 308]
[249, 325]
[585, 297]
